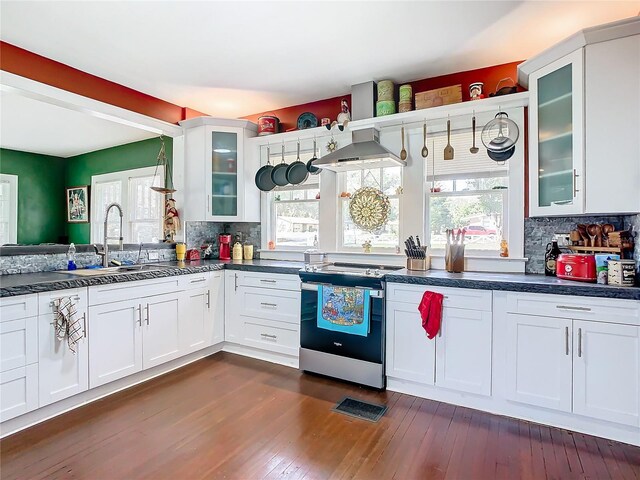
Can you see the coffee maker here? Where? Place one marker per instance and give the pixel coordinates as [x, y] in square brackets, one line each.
[224, 241]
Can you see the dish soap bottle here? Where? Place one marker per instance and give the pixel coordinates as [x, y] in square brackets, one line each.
[71, 257]
[550, 258]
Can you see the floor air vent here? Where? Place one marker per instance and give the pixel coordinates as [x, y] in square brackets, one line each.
[359, 409]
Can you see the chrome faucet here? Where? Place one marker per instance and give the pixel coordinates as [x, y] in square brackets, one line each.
[105, 247]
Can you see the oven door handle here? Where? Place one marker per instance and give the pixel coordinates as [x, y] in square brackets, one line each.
[373, 293]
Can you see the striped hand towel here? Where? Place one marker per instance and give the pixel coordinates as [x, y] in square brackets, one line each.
[67, 324]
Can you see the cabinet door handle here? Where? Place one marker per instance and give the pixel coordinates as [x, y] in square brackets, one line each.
[84, 325]
[271, 337]
[440, 331]
[579, 342]
[235, 282]
[209, 299]
[267, 281]
[147, 314]
[208, 203]
[266, 304]
[570, 307]
[575, 182]
[566, 340]
[140, 315]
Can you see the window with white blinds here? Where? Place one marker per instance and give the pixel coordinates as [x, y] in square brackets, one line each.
[142, 207]
[8, 209]
[468, 192]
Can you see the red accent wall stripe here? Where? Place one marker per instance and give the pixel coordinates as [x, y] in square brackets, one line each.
[36, 67]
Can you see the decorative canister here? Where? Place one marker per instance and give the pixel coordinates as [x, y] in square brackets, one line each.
[385, 107]
[385, 90]
[404, 106]
[621, 272]
[268, 125]
[406, 93]
[325, 121]
[248, 251]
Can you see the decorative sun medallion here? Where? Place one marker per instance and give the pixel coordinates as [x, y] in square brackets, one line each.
[332, 145]
[369, 208]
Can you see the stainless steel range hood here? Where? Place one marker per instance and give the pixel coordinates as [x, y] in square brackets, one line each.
[364, 152]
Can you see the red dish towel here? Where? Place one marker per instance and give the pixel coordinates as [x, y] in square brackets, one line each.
[430, 309]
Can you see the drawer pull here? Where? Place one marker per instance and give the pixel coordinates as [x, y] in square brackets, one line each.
[270, 337]
[570, 307]
[267, 281]
[198, 280]
[266, 304]
[75, 297]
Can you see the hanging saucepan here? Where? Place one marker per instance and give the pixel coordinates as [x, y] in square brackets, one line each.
[311, 168]
[263, 175]
[297, 172]
[501, 156]
[500, 134]
[279, 172]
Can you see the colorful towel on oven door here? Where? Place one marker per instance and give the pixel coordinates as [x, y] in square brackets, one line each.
[344, 309]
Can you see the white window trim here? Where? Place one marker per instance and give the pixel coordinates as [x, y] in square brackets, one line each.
[271, 205]
[12, 180]
[97, 217]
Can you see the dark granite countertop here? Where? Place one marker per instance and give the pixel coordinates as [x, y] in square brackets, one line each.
[514, 282]
[24, 283]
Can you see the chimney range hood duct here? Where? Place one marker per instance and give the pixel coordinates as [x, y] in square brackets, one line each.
[364, 152]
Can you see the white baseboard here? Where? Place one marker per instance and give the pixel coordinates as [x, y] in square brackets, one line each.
[279, 358]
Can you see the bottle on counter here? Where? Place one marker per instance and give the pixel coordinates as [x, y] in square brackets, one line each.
[71, 257]
[550, 258]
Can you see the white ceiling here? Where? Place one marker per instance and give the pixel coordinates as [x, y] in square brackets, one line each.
[234, 58]
[33, 126]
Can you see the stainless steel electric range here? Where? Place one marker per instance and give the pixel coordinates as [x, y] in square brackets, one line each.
[346, 356]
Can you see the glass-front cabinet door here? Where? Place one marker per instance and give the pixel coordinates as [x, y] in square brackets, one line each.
[224, 166]
[556, 154]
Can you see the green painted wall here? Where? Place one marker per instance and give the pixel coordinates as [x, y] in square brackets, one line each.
[41, 194]
[115, 159]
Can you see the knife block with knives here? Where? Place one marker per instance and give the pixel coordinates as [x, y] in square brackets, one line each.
[454, 253]
[417, 254]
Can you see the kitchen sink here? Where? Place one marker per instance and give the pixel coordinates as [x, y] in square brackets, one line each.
[92, 272]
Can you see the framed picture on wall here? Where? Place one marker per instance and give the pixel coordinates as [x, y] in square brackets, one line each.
[78, 204]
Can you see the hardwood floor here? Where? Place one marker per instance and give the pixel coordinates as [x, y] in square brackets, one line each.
[236, 418]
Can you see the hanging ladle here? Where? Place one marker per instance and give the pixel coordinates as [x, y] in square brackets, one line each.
[425, 150]
[474, 149]
[403, 152]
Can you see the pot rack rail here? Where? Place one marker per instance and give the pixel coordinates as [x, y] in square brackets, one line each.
[414, 118]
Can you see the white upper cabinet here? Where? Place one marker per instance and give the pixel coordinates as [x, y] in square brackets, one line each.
[584, 123]
[219, 171]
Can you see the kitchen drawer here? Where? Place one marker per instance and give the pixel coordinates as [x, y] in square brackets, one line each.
[116, 292]
[18, 391]
[197, 280]
[22, 306]
[268, 337]
[268, 280]
[580, 308]
[18, 343]
[278, 305]
[46, 299]
[453, 297]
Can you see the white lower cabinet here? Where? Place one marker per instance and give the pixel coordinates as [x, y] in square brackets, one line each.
[160, 329]
[585, 367]
[539, 361]
[18, 391]
[61, 372]
[115, 341]
[202, 315]
[463, 351]
[410, 354]
[606, 371]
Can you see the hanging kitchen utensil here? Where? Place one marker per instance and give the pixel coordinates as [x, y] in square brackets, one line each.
[473, 148]
[500, 134]
[311, 168]
[297, 172]
[163, 164]
[279, 172]
[425, 150]
[403, 152]
[448, 150]
[263, 175]
[369, 208]
[501, 157]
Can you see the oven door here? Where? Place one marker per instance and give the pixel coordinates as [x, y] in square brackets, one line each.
[368, 349]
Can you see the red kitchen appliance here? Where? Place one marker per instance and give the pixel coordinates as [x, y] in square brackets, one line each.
[576, 266]
[193, 254]
[224, 240]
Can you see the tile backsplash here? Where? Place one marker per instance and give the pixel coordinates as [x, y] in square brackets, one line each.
[538, 232]
[199, 233]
